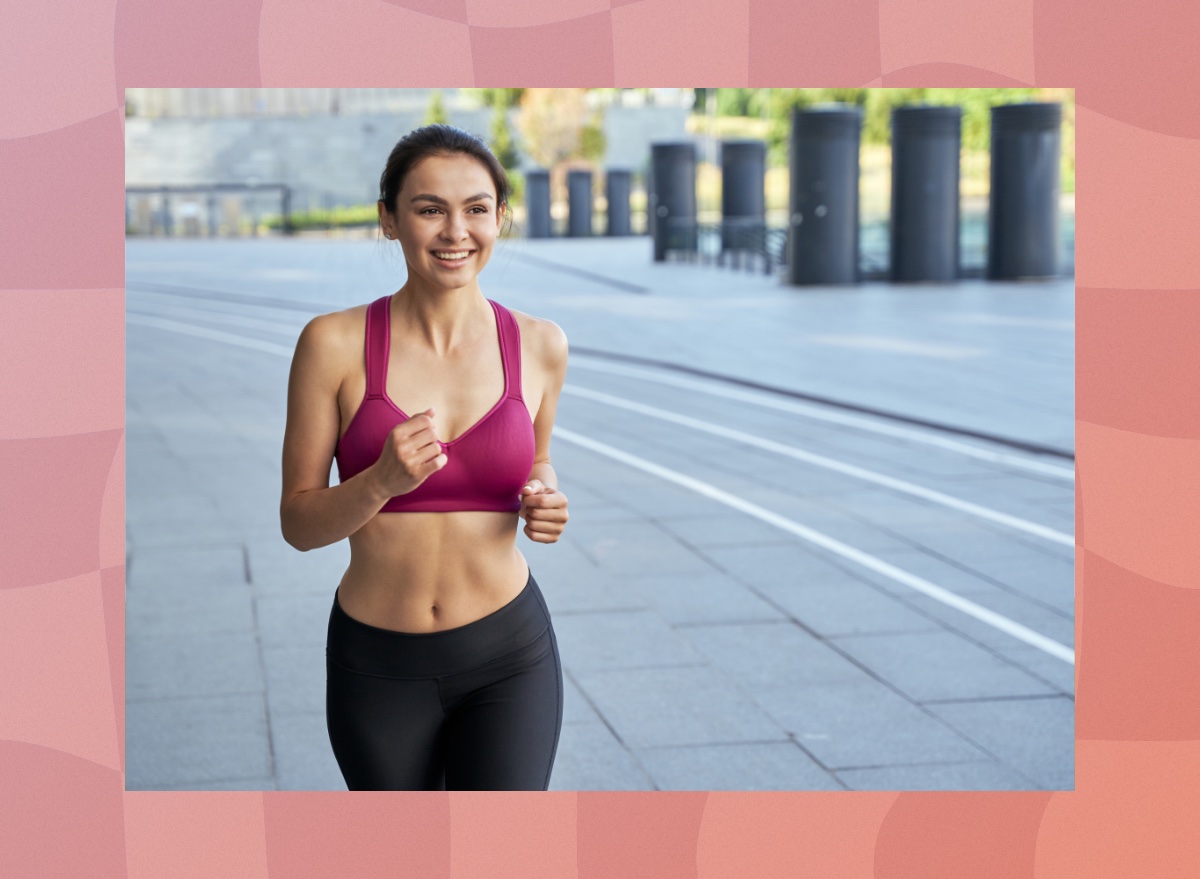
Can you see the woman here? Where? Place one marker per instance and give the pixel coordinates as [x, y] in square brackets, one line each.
[442, 665]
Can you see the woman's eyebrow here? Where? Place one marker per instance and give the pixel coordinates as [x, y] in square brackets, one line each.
[437, 199]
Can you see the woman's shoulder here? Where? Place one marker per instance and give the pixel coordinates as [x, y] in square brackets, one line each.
[541, 338]
[334, 336]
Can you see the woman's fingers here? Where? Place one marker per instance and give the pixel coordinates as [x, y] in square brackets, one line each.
[542, 535]
[545, 514]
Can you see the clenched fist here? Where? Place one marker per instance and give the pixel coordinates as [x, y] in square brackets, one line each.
[411, 454]
[544, 510]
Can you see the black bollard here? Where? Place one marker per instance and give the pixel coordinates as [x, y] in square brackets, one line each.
[617, 186]
[579, 203]
[537, 203]
[823, 222]
[743, 195]
[926, 142]
[1023, 204]
[673, 198]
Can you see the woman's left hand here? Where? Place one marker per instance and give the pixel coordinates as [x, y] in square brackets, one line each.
[544, 510]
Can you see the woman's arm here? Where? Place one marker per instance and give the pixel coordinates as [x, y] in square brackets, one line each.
[311, 514]
[543, 506]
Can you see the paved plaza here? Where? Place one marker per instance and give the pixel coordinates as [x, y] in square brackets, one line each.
[820, 538]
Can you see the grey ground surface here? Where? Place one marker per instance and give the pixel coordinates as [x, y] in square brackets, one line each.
[780, 621]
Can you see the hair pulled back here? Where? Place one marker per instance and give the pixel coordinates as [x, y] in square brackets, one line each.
[438, 139]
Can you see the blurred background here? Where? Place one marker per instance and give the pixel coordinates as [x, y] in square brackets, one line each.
[817, 430]
[243, 148]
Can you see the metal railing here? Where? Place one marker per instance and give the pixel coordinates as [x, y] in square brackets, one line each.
[754, 246]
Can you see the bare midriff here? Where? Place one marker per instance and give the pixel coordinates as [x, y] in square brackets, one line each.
[425, 572]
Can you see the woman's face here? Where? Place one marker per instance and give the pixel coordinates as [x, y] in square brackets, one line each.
[446, 219]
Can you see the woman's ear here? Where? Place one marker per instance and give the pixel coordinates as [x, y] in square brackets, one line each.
[383, 218]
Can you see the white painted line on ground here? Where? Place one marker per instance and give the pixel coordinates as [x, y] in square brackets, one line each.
[937, 593]
[266, 325]
[820, 413]
[851, 470]
[210, 334]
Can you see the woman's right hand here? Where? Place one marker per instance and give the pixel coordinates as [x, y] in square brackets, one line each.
[411, 454]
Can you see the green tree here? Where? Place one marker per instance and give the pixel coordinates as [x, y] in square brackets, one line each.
[436, 111]
[491, 97]
[552, 123]
[591, 139]
[503, 144]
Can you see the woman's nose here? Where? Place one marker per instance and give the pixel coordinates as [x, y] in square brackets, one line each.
[454, 228]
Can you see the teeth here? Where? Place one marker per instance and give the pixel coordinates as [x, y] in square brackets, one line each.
[444, 255]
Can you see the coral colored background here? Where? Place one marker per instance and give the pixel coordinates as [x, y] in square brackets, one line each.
[63, 68]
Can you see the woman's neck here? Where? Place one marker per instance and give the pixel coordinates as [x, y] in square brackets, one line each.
[445, 318]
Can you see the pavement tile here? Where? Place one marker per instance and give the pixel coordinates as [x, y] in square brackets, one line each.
[279, 569]
[771, 656]
[751, 766]
[1042, 665]
[862, 724]
[189, 664]
[620, 639]
[295, 677]
[637, 548]
[590, 758]
[189, 606]
[846, 607]
[940, 665]
[575, 707]
[202, 525]
[690, 705]
[299, 620]
[196, 740]
[1034, 736]
[682, 599]
[154, 567]
[975, 775]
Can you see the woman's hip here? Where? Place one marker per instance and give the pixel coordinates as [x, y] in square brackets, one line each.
[357, 646]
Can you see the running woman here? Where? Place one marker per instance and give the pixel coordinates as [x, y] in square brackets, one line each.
[437, 405]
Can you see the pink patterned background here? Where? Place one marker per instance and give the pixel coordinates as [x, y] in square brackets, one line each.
[63, 68]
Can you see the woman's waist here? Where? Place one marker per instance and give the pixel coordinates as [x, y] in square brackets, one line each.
[424, 586]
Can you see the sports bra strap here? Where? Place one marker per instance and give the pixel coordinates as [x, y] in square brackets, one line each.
[510, 349]
[378, 331]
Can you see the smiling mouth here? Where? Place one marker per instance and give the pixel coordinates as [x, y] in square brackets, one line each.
[451, 256]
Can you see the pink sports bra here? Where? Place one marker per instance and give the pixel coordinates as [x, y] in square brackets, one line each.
[486, 466]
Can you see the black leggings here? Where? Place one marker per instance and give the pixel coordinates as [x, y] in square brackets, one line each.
[477, 707]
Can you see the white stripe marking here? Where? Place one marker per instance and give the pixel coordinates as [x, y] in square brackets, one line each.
[212, 335]
[266, 325]
[937, 593]
[899, 485]
[811, 410]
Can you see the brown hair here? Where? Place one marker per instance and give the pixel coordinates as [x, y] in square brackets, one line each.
[438, 140]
